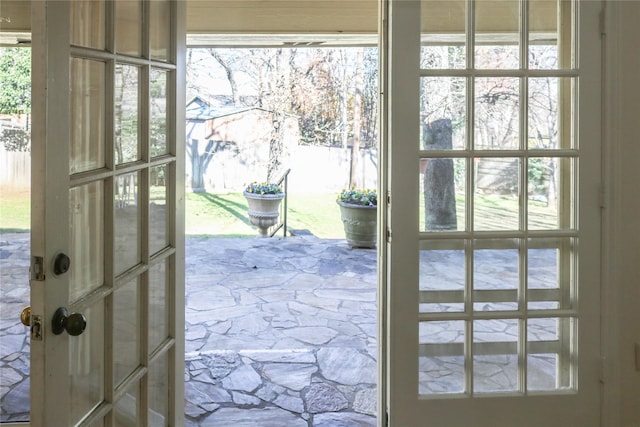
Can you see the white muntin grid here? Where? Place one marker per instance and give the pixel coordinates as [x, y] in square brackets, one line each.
[564, 238]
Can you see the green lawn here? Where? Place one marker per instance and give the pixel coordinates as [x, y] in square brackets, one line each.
[209, 214]
[15, 211]
[226, 214]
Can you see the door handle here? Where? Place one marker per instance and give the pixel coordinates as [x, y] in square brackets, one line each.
[34, 322]
[25, 316]
[74, 323]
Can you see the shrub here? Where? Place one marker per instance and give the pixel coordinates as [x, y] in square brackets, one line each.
[365, 197]
[263, 188]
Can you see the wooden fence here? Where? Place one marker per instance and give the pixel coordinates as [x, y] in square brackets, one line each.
[15, 169]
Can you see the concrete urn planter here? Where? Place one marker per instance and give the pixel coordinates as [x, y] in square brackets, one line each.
[264, 210]
[360, 224]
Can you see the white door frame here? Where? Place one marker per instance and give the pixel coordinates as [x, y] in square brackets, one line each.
[50, 355]
[399, 276]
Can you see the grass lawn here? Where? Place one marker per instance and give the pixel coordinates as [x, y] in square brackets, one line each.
[209, 214]
[226, 215]
[15, 210]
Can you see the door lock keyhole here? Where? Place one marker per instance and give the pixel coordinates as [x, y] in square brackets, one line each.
[61, 264]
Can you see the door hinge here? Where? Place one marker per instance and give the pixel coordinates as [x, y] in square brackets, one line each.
[602, 197]
[386, 419]
[603, 22]
[388, 198]
[388, 236]
[604, 370]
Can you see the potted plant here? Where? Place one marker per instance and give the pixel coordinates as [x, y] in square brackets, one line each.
[263, 200]
[358, 210]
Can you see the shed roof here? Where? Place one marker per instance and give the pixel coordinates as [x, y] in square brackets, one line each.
[200, 110]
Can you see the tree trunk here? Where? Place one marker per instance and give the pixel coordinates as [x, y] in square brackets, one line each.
[439, 184]
[197, 179]
[276, 147]
[200, 162]
[357, 120]
[230, 75]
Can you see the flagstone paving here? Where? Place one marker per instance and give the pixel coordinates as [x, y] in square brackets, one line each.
[278, 332]
[282, 331]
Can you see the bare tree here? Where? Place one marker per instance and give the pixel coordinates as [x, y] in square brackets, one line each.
[230, 71]
[333, 92]
[357, 119]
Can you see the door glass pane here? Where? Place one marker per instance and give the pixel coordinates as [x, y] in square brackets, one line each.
[550, 34]
[497, 34]
[495, 275]
[159, 392]
[126, 336]
[443, 113]
[158, 106]
[441, 361]
[442, 276]
[495, 304]
[128, 30]
[442, 194]
[496, 204]
[158, 305]
[126, 409]
[127, 110]
[127, 222]
[495, 358]
[550, 103]
[87, 23]
[158, 212]
[159, 29]
[443, 34]
[86, 239]
[550, 206]
[497, 113]
[550, 279]
[87, 148]
[86, 364]
[548, 364]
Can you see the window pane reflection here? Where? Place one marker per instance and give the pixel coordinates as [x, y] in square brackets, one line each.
[158, 111]
[86, 238]
[128, 29]
[127, 110]
[443, 113]
[87, 148]
[87, 23]
[127, 233]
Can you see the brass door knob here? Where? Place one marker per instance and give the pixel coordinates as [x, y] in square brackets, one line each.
[25, 316]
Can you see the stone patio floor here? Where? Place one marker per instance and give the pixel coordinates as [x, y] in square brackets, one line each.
[282, 331]
[279, 332]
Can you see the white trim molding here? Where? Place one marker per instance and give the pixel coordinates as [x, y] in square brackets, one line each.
[621, 227]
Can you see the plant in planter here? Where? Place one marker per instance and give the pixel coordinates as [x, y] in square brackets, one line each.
[263, 200]
[359, 213]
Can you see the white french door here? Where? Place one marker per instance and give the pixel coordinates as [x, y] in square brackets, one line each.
[107, 239]
[491, 267]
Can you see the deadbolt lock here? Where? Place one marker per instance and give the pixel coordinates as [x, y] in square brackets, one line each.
[61, 264]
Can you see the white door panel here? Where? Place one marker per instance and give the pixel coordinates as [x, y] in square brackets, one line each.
[107, 191]
[492, 146]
